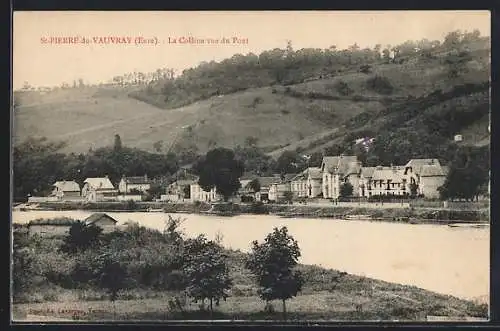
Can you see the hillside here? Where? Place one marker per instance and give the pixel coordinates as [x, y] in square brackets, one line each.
[309, 114]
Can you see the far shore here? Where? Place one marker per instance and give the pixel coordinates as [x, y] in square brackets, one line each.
[373, 213]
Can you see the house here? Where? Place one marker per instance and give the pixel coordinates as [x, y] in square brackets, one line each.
[98, 189]
[138, 183]
[199, 194]
[314, 179]
[279, 187]
[365, 181]
[66, 189]
[102, 220]
[298, 185]
[432, 176]
[265, 185]
[427, 174]
[337, 170]
[50, 227]
[307, 184]
[388, 181]
[179, 190]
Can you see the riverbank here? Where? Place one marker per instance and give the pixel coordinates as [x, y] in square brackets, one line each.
[375, 213]
[327, 295]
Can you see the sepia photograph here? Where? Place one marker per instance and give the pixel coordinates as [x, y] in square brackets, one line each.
[247, 166]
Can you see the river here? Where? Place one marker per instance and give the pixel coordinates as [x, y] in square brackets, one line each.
[439, 258]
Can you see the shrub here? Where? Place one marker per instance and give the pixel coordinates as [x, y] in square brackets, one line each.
[380, 84]
[259, 207]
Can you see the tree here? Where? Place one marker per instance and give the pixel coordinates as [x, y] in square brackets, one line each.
[413, 190]
[81, 237]
[112, 277]
[346, 190]
[273, 262]
[254, 185]
[117, 147]
[221, 170]
[158, 146]
[156, 190]
[206, 271]
[290, 162]
[288, 196]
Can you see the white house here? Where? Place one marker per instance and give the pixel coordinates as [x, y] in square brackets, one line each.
[298, 185]
[199, 194]
[388, 181]
[137, 183]
[314, 179]
[337, 170]
[365, 181]
[307, 184]
[176, 191]
[98, 189]
[428, 174]
[66, 189]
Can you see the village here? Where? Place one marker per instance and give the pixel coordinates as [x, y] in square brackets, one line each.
[417, 178]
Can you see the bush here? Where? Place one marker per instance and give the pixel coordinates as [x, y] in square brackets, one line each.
[379, 84]
[259, 207]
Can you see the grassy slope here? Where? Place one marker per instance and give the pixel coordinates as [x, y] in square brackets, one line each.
[91, 116]
[327, 295]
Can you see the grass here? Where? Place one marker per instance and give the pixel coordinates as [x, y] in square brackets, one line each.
[327, 295]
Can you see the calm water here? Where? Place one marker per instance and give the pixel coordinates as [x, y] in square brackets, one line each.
[447, 260]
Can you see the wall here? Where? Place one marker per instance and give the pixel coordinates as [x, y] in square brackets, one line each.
[42, 199]
[129, 197]
[429, 185]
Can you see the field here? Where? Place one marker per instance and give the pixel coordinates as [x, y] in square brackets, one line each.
[328, 295]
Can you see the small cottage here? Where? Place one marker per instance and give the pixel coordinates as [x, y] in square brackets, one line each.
[102, 220]
[66, 189]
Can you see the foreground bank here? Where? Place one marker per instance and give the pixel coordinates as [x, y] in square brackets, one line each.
[327, 295]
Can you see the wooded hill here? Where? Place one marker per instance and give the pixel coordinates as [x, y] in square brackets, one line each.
[309, 99]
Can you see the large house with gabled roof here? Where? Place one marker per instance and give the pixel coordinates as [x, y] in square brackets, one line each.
[98, 189]
[338, 170]
[134, 183]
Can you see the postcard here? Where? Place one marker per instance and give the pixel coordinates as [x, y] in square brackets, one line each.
[240, 166]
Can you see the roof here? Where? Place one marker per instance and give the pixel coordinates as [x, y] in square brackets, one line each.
[184, 182]
[416, 164]
[385, 173]
[97, 217]
[137, 180]
[432, 170]
[315, 172]
[102, 183]
[245, 182]
[367, 172]
[59, 221]
[267, 181]
[67, 186]
[342, 164]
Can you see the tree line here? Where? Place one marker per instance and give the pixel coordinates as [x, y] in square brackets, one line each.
[285, 66]
[39, 163]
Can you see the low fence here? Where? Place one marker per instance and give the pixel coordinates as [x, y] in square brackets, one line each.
[43, 199]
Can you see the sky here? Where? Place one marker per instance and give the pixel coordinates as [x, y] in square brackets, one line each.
[93, 58]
